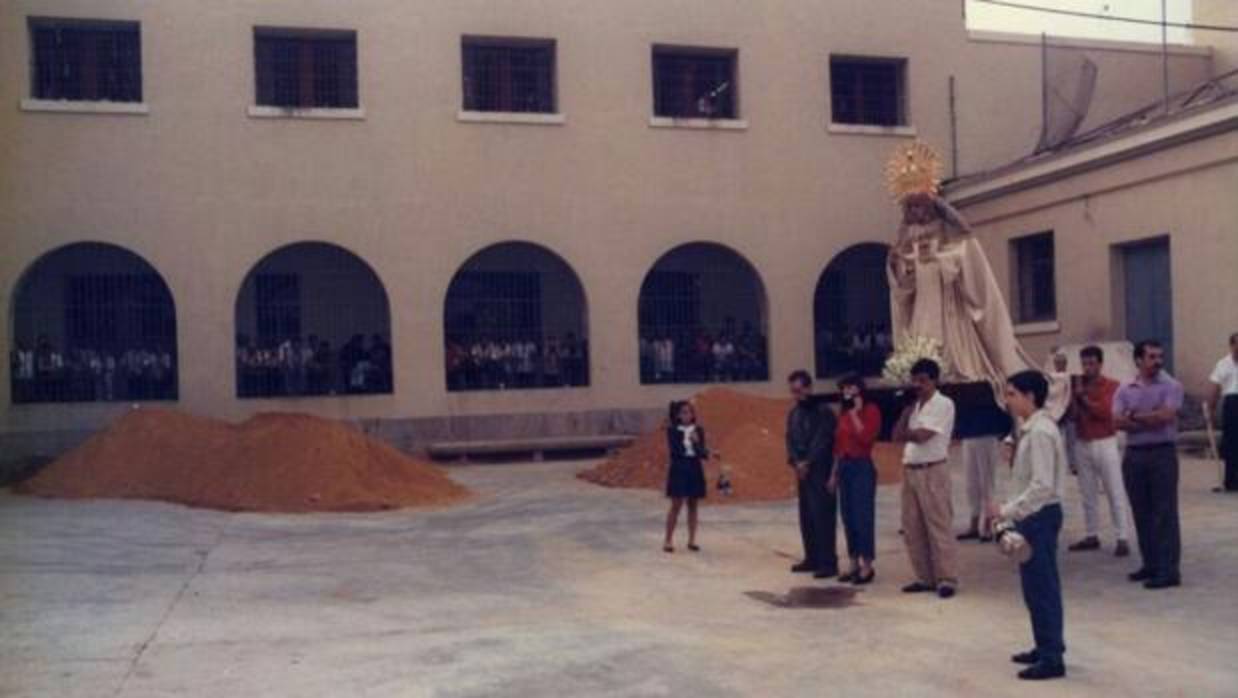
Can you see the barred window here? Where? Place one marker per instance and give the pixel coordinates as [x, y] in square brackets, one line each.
[702, 318]
[515, 319]
[89, 60]
[851, 312]
[1035, 285]
[508, 75]
[302, 68]
[868, 91]
[93, 322]
[694, 82]
[312, 319]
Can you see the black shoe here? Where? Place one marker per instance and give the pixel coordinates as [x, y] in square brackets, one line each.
[804, 566]
[861, 580]
[945, 591]
[1121, 549]
[825, 573]
[1139, 575]
[1162, 582]
[1089, 543]
[917, 587]
[971, 534]
[1043, 670]
[848, 577]
[1029, 658]
[986, 539]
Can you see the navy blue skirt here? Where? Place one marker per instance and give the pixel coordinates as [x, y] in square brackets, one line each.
[686, 478]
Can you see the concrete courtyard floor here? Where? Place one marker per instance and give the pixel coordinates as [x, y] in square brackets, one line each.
[548, 586]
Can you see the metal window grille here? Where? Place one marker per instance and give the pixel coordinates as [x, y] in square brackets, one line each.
[312, 319]
[851, 310]
[701, 319]
[296, 69]
[498, 326]
[869, 91]
[694, 83]
[93, 323]
[85, 60]
[1036, 288]
[512, 76]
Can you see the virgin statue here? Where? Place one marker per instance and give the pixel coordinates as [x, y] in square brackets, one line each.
[941, 285]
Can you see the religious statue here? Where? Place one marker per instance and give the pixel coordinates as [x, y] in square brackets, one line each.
[941, 285]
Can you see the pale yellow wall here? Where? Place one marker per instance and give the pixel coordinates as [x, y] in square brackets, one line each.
[1189, 193]
[202, 191]
[1222, 13]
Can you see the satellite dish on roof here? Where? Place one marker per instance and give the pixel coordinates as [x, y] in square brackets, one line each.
[1068, 83]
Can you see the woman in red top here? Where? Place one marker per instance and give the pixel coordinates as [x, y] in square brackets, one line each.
[855, 477]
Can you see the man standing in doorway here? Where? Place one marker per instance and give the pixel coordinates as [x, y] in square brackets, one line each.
[1097, 455]
[1147, 410]
[1224, 381]
[810, 451]
[928, 515]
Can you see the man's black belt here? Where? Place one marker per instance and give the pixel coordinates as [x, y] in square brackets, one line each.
[1149, 447]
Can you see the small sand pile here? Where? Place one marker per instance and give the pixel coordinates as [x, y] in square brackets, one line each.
[271, 462]
[750, 434]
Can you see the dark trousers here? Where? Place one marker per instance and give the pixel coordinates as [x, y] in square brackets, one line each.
[818, 513]
[857, 499]
[1229, 440]
[1151, 477]
[1042, 587]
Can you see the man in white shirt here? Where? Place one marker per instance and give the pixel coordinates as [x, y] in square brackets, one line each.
[1224, 381]
[1037, 480]
[928, 514]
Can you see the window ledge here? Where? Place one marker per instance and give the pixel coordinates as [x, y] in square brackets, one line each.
[868, 130]
[511, 117]
[262, 111]
[1030, 328]
[704, 124]
[70, 106]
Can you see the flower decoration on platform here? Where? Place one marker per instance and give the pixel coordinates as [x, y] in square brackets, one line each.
[914, 168]
[909, 350]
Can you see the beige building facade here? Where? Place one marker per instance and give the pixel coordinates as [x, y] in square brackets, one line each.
[203, 183]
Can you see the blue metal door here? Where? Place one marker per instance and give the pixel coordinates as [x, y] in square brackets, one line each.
[1149, 294]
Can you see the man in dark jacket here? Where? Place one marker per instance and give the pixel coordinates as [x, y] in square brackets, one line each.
[810, 451]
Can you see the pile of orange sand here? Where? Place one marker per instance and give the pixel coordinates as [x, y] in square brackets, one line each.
[271, 462]
[749, 434]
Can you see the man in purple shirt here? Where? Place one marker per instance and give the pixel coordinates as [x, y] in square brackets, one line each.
[1147, 410]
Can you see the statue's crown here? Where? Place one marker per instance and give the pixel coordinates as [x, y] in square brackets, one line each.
[913, 168]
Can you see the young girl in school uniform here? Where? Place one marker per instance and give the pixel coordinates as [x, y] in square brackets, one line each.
[685, 478]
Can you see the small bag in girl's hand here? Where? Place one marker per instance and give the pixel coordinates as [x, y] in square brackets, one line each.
[724, 481]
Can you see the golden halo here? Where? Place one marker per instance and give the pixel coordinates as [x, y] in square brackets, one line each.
[914, 168]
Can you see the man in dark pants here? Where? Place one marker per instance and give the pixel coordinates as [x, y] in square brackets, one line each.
[1037, 479]
[1224, 381]
[810, 450]
[1147, 410]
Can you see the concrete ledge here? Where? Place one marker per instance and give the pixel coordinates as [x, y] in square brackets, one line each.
[504, 117]
[535, 446]
[870, 130]
[409, 434]
[70, 106]
[258, 111]
[701, 124]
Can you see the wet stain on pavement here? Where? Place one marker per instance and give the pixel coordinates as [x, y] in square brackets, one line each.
[807, 597]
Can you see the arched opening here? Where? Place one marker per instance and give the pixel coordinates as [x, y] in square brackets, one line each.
[312, 318]
[851, 313]
[702, 318]
[515, 318]
[93, 322]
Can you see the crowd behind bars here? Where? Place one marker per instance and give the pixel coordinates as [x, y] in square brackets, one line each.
[493, 363]
[698, 355]
[43, 372]
[311, 366]
[860, 349]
